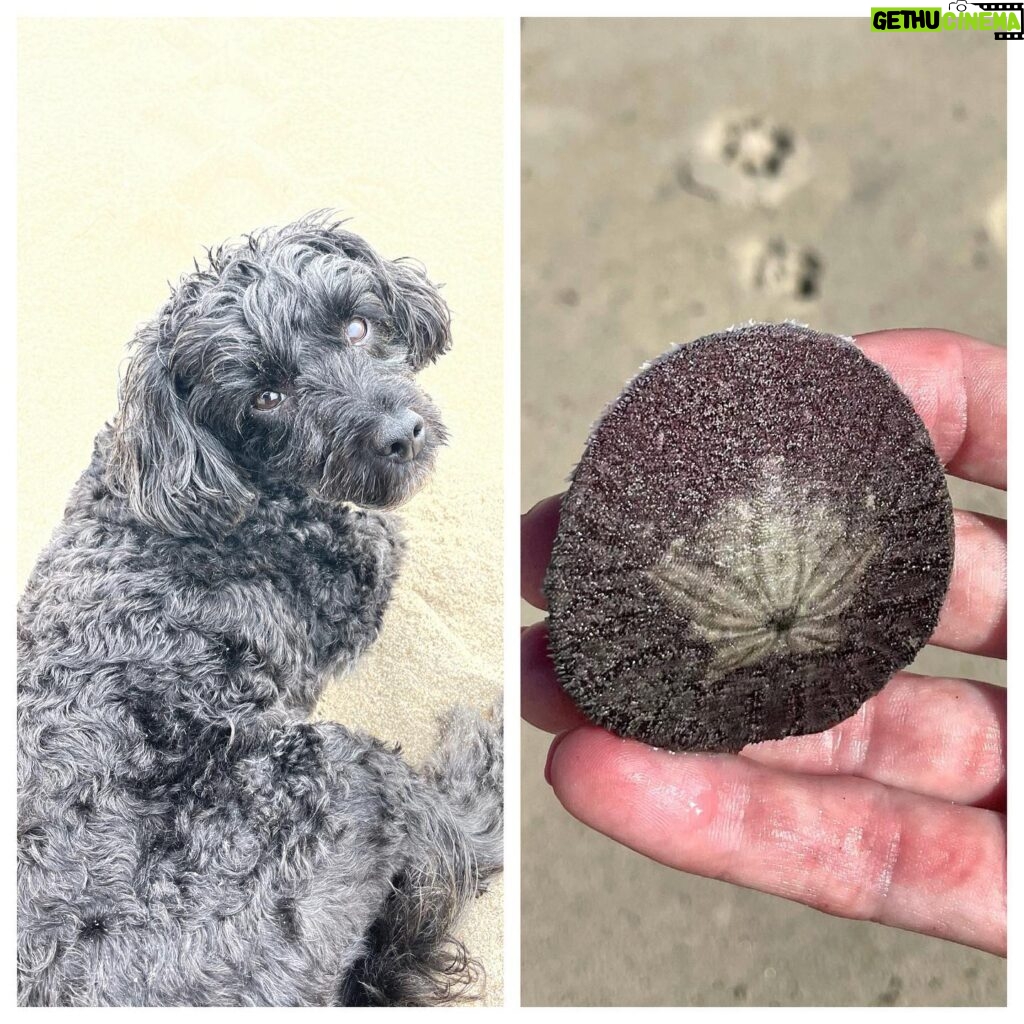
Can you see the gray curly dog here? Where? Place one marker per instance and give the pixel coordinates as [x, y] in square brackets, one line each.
[186, 835]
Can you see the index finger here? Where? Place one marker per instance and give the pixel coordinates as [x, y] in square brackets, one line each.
[957, 385]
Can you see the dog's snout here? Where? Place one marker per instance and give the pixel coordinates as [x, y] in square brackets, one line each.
[403, 436]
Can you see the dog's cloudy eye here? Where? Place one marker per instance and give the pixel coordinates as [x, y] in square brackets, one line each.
[267, 400]
[356, 329]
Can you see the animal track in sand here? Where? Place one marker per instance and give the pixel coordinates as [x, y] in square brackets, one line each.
[776, 267]
[758, 148]
[746, 159]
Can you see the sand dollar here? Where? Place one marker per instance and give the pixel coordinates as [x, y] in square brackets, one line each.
[757, 536]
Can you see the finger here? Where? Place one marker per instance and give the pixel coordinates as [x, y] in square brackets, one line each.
[537, 535]
[544, 703]
[973, 617]
[943, 738]
[845, 846]
[958, 387]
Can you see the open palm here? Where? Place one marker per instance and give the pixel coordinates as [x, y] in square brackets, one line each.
[896, 815]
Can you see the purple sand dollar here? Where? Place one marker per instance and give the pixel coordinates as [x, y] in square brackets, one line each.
[757, 536]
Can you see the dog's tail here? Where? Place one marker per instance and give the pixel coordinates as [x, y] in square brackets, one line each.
[413, 957]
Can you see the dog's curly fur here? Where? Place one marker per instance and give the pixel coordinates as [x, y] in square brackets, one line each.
[186, 834]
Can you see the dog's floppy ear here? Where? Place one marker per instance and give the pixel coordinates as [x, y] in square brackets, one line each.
[421, 314]
[176, 475]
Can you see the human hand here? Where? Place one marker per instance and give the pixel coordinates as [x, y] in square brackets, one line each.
[896, 815]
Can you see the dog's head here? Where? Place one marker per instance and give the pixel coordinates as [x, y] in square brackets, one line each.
[287, 361]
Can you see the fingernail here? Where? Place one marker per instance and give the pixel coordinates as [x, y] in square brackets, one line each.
[551, 753]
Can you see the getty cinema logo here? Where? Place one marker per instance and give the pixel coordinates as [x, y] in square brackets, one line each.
[1003, 20]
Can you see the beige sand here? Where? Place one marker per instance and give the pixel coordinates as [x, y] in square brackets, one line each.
[894, 204]
[141, 140]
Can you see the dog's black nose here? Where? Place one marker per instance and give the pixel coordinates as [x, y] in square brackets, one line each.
[403, 436]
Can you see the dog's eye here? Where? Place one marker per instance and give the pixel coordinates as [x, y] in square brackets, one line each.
[356, 329]
[267, 400]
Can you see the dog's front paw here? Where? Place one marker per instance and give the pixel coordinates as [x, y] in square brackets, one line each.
[378, 542]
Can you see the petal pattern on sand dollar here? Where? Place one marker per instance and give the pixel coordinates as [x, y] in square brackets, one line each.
[773, 573]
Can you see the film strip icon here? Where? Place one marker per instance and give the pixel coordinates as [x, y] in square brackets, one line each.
[1019, 8]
